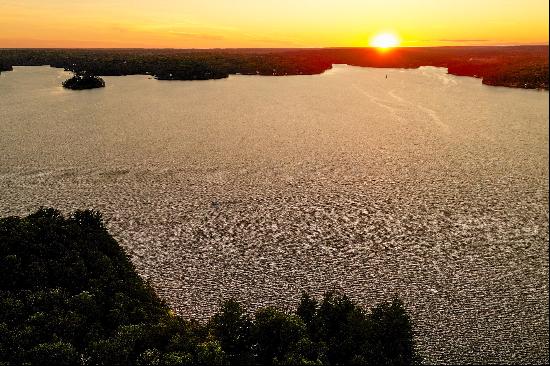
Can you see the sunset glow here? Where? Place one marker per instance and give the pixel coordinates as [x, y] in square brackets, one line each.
[271, 24]
[384, 41]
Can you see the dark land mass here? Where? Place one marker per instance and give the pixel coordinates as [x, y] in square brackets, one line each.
[4, 67]
[84, 81]
[70, 295]
[513, 66]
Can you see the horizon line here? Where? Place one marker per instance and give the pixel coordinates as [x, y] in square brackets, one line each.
[270, 48]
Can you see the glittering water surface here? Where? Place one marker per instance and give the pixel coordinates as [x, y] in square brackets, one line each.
[423, 185]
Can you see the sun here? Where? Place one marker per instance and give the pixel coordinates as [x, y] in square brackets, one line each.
[384, 41]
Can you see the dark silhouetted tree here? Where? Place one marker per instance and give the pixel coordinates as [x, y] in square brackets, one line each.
[232, 327]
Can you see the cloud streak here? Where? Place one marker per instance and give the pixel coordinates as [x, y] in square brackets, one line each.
[199, 36]
[463, 40]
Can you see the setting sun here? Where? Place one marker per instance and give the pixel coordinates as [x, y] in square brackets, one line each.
[384, 40]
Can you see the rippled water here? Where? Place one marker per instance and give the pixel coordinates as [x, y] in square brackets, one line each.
[423, 185]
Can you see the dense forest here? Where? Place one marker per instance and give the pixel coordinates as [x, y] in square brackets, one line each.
[70, 295]
[513, 66]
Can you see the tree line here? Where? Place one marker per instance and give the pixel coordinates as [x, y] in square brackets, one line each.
[513, 66]
[70, 295]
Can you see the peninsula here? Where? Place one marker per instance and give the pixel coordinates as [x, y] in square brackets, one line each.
[68, 293]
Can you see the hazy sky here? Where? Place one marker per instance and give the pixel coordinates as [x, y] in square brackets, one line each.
[264, 23]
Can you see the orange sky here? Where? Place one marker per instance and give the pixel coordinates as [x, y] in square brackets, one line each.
[262, 23]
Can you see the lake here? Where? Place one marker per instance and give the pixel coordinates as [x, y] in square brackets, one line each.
[421, 185]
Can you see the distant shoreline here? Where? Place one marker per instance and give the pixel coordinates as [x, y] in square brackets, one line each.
[509, 66]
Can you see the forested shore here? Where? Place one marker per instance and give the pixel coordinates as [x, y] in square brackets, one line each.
[512, 66]
[70, 295]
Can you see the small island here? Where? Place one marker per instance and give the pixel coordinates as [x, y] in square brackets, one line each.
[83, 80]
[5, 67]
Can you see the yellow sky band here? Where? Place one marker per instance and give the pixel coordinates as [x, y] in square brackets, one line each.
[281, 23]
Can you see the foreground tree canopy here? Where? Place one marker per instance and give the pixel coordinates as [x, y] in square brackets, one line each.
[69, 295]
